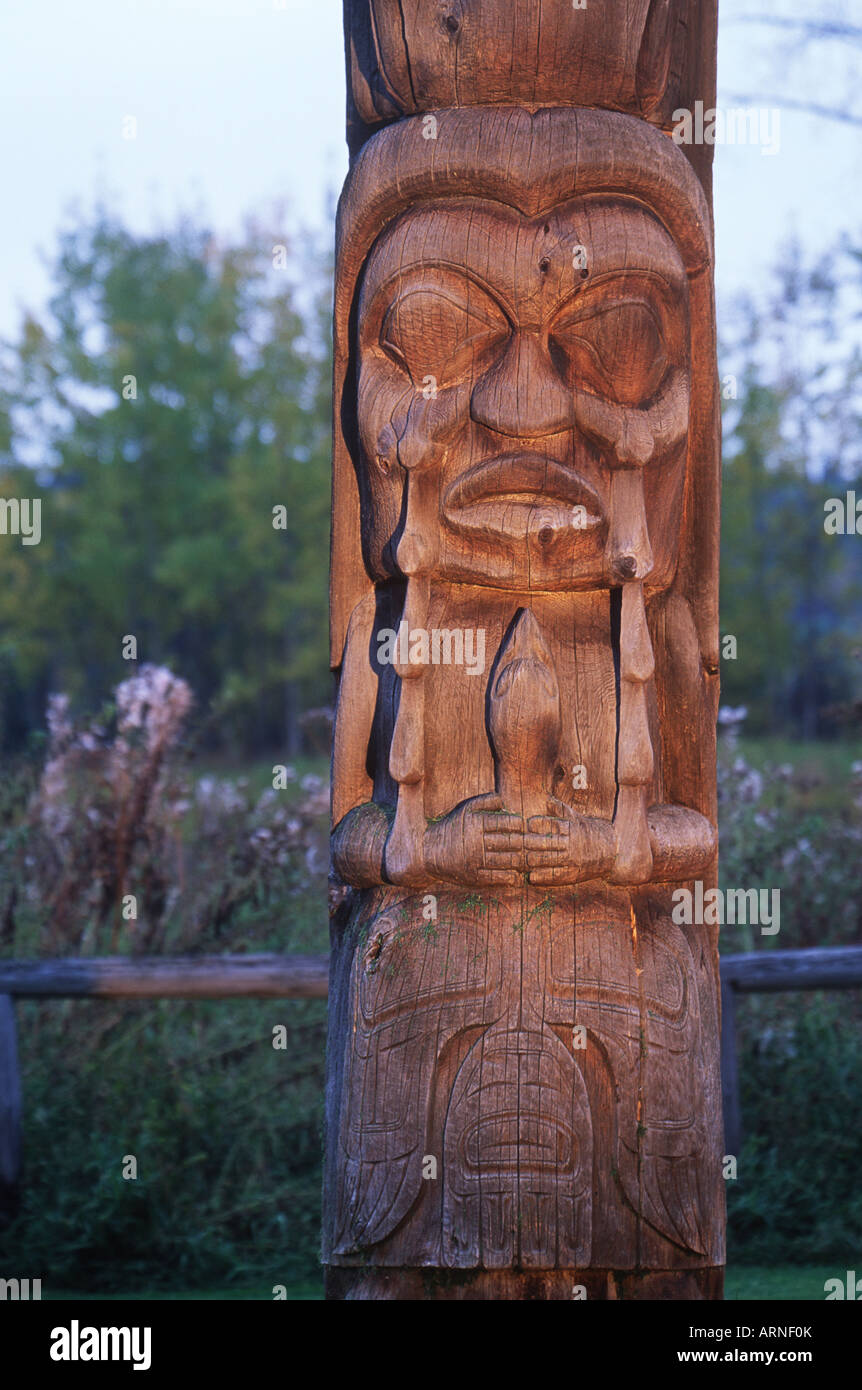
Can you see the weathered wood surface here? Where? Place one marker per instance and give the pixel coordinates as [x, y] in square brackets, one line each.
[524, 1048]
[644, 57]
[763, 972]
[537, 1286]
[307, 977]
[730, 1096]
[167, 977]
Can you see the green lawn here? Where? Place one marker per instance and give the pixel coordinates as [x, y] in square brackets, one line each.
[788, 1282]
[785, 1282]
[822, 770]
[295, 1293]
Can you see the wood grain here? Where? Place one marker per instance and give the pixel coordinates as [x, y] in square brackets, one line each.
[167, 977]
[644, 57]
[524, 1047]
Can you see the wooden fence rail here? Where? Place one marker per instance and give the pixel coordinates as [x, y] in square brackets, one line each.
[306, 977]
[168, 977]
[132, 977]
[767, 972]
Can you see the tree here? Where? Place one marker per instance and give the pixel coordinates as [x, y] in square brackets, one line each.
[176, 394]
[790, 592]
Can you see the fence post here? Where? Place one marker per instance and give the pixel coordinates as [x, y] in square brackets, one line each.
[10, 1109]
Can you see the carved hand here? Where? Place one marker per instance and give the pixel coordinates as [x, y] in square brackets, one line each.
[566, 847]
[481, 841]
[455, 846]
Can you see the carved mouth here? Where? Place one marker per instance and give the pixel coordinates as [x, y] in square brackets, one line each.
[520, 494]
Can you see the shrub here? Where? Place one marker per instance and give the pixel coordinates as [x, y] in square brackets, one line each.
[225, 1128]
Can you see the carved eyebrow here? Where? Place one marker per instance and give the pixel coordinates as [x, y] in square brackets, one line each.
[580, 303]
[439, 292]
[405, 274]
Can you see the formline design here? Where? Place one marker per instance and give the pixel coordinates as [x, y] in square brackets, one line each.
[523, 1085]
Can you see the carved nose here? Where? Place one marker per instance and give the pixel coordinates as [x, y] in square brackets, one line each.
[522, 394]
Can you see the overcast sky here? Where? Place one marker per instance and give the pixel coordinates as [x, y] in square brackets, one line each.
[240, 107]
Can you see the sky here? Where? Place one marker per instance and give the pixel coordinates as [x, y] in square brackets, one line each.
[239, 110]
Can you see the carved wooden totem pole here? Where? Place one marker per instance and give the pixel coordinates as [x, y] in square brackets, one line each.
[523, 1077]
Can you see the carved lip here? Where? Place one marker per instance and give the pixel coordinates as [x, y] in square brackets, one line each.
[518, 493]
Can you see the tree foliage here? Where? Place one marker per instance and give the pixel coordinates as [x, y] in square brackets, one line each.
[791, 594]
[177, 392]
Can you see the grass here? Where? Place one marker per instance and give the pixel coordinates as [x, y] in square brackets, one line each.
[296, 1293]
[257, 772]
[784, 1284]
[823, 769]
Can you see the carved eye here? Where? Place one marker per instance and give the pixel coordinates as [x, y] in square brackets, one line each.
[618, 352]
[432, 333]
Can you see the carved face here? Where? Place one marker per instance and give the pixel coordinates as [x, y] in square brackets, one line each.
[510, 368]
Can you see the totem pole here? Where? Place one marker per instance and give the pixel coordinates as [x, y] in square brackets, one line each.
[523, 1095]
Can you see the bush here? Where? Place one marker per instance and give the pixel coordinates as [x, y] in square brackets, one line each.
[226, 1130]
[797, 1197]
[769, 838]
[793, 825]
